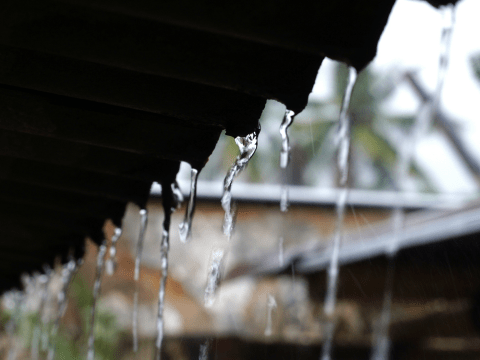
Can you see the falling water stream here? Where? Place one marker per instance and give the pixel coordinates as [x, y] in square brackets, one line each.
[44, 281]
[185, 228]
[136, 275]
[343, 139]
[96, 293]
[423, 121]
[67, 273]
[170, 199]
[285, 157]
[111, 263]
[247, 146]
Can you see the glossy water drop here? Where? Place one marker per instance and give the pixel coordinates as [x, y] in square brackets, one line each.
[96, 294]
[136, 275]
[185, 228]
[111, 263]
[247, 146]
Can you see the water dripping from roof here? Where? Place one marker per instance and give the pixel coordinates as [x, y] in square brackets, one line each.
[204, 350]
[68, 271]
[111, 263]
[170, 203]
[214, 276]
[247, 146]
[285, 156]
[343, 141]
[96, 294]
[423, 121]
[185, 228]
[41, 327]
[136, 275]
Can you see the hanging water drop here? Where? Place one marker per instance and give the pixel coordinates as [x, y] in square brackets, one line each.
[136, 275]
[271, 305]
[343, 141]
[185, 228]
[96, 293]
[111, 263]
[214, 276]
[247, 146]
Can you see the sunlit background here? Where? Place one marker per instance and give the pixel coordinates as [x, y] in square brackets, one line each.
[279, 314]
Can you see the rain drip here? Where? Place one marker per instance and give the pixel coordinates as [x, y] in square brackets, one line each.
[271, 304]
[247, 146]
[214, 275]
[185, 228]
[96, 293]
[343, 140]
[169, 200]
[136, 275]
[44, 281]
[67, 273]
[111, 264]
[423, 120]
[204, 350]
[285, 156]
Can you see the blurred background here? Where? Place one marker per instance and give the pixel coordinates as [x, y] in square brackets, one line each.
[269, 302]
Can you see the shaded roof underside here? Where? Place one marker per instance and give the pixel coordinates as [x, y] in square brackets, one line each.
[98, 99]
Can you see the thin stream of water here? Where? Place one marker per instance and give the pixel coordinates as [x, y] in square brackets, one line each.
[214, 276]
[96, 294]
[111, 263]
[44, 281]
[170, 200]
[343, 139]
[185, 228]
[136, 275]
[67, 273]
[247, 146]
[423, 121]
[204, 350]
[285, 157]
